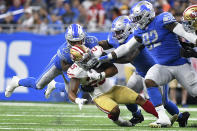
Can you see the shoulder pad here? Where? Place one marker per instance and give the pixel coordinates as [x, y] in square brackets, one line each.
[91, 41]
[75, 71]
[97, 51]
[166, 18]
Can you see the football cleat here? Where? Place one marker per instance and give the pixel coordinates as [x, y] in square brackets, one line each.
[13, 84]
[183, 120]
[137, 119]
[50, 88]
[163, 120]
[159, 124]
[124, 123]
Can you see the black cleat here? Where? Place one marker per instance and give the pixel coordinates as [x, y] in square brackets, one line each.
[183, 120]
[137, 119]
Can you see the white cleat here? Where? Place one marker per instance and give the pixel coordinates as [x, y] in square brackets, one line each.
[12, 85]
[126, 124]
[50, 88]
[159, 123]
[163, 120]
[122, 122]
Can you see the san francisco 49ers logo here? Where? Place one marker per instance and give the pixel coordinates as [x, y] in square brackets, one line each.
[194, 14]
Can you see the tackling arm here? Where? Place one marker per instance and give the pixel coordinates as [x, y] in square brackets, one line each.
[121, 50]
[178, 29]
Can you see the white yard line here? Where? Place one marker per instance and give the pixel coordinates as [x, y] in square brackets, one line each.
[53, 129]
[76, 116]
[67, 105]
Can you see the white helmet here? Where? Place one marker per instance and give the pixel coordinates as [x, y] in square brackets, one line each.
[75, 34]
[121, 28]
[142, 13]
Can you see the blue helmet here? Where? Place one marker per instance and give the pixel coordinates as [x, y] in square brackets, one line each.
[75, 34]
[142, 13]
[121, 28]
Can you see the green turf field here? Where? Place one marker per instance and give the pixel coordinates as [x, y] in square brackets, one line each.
[56, 117]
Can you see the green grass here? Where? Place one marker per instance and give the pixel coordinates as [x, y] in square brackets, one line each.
[48, 116]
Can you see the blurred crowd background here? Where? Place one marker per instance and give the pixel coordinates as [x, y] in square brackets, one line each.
[53, 16]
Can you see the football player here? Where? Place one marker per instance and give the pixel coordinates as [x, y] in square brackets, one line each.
[143, 61]
[61, 61]
[189, 23]
[159, 35]
[94, 79]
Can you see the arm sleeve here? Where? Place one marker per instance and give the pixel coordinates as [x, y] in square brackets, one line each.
[179, 30]
[125, 48]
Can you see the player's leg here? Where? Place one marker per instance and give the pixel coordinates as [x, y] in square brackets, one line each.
[124, 95]
[110, 107]
[169, 105]
[51, 71]
[173, 109]
[135, 82]
[158, 75]
[59, 87]
[173, 85]
[188, 79]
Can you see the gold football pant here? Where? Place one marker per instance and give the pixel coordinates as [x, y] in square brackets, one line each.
[117, 95]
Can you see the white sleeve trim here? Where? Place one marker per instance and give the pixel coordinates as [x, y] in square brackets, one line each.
[179, 30]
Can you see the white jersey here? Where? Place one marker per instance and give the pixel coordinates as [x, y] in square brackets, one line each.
[100, 86]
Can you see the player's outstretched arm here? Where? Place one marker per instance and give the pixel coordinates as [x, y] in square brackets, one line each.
[74, 85]
[178, 29]
[73, 88]
[121, 50]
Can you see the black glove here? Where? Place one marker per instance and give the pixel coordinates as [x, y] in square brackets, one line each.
[188, 52]
[186, 45]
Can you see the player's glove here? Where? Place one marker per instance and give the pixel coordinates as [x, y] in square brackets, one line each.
[188, 52]
[80, 102]
[92, 63]
[186, 45]
[95, 75]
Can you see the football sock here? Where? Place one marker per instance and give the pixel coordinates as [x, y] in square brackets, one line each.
[180, 116]
[133, 108]
[155, 96]
[171, 108]
[169, 105]
[148, 107]
[28, 82]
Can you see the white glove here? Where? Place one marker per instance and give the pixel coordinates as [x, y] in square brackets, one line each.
[95, 75]
[80, 102]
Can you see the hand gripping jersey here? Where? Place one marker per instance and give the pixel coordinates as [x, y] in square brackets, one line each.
[100, 86]
[143, 62]
[161, 42]
[64, 50]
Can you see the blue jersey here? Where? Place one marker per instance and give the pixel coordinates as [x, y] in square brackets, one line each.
[143, 62]
[64, 50]
[161, 42]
